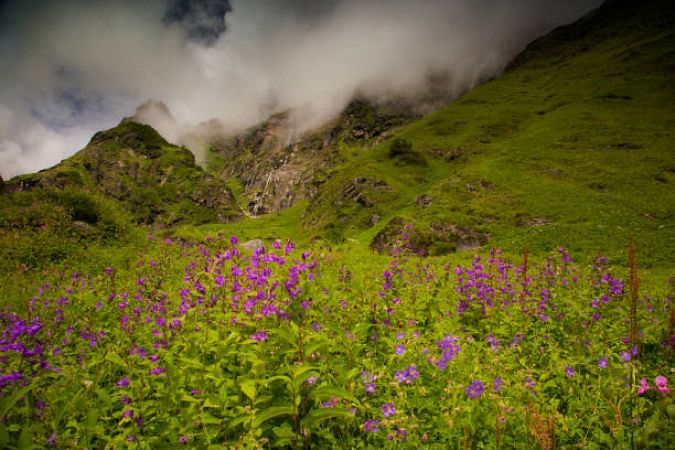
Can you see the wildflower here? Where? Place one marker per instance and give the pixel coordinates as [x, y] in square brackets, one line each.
[388, 409]
[220, 280]
[371, 425]
[569, 371]
[183, 440]
[644, 386]
[259, 336]
[123, 382]
[494, 343]
[497, 384]
[52, 440]
[625, 357]
[370, 388]
[662, 384]
[399, 349]
[311, 380]
[602, 363]
[475, 390]
[128, 414]
[157, 370]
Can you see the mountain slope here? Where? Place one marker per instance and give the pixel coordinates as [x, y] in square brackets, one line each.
[126, 175]
[572, 146]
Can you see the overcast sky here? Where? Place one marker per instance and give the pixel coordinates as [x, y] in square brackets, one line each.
[72, 67]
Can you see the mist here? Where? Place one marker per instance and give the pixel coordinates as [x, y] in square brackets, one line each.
[72, 67]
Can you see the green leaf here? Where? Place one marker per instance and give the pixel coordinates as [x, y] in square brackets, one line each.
[302, 375]
[271, 413]
[284, 378]
[8, 402]
[4, 436]
[92, 420]
[288, 336]
[315, 416]
[248, 388]
[25, 438]
[209, 403]
[211, 420]
[323, 392]
[284, 432]
[238, 421]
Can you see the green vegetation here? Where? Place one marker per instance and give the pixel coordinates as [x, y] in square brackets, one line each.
[572, 146]
[129, 320]
[205, 346]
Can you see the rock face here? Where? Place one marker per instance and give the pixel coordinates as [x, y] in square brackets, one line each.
[277, 166]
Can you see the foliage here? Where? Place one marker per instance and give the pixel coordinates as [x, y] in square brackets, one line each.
[205, 346]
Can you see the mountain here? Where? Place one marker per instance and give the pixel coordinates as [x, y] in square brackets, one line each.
[572, 146]
[126, 175]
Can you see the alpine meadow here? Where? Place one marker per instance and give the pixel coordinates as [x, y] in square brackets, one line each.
[471, 254]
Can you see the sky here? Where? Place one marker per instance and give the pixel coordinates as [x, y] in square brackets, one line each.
[69, 68]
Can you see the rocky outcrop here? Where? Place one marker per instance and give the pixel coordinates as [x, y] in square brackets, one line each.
[436, 239]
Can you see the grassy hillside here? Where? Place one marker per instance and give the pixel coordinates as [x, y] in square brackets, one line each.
[572, 146]
[126, 176]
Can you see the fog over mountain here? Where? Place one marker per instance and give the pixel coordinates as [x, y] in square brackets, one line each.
[71, 67]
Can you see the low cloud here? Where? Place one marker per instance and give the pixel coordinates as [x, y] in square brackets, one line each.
[75, 66]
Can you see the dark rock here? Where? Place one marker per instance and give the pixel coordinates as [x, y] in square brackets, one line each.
[437, 239]
[425, 200]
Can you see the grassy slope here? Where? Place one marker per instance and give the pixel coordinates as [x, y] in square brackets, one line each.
[578, 136]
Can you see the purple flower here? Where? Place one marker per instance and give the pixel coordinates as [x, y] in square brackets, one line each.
[498, 384]
[259, 336]
[183, 440]
[625, 357]
[475, 390]
[388, 409]
[371, 425]
[602, 363]
[399, 349]
[128, 414]
[52, 440]
[123, 382]
[311, 380]
[157, 370]
[569, 371]
[644, 386]
[370, 388]
[220, 280]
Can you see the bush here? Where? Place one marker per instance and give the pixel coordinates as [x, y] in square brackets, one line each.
[401, 150]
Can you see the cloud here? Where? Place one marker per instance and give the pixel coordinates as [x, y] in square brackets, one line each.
[75, 66]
